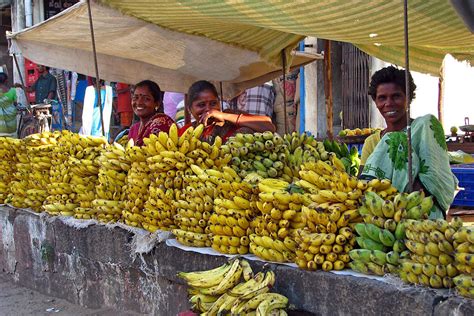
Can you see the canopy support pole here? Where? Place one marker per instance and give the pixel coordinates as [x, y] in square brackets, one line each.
[328, 88]
[441, 93]
[97, 83]
[283, 57]
[222, 96]
[407, 95]
[21, 78]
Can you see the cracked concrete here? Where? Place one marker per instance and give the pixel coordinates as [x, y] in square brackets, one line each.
[94, 267]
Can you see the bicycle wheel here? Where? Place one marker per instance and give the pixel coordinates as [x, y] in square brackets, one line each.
[27, 128]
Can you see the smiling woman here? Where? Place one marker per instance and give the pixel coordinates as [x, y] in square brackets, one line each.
[385, 154]
[147, 104]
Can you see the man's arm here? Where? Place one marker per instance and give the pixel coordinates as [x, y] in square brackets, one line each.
[52, 88]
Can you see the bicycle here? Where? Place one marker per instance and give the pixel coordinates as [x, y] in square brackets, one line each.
[33, 119]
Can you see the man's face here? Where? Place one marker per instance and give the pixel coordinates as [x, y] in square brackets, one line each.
[41, 69]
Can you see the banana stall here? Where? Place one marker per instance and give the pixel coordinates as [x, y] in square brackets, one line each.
[264, 223]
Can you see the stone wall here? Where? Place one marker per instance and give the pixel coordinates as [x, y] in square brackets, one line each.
[95, 267]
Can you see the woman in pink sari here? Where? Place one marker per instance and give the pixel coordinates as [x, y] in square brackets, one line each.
[147, 104]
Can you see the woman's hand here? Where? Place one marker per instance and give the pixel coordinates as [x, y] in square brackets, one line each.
[212, 116]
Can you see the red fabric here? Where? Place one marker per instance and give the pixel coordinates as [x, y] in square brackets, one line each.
[124, 99]
[158, 123]
[126, 119]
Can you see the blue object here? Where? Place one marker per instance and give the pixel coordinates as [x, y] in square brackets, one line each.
[57, 115]
[358, 146]
[465, 175]
[302, 94]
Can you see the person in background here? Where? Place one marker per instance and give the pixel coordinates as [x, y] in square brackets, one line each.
[171, 101]
[44, 88]
[91, 117]
[204, 105]
[124, 104]
[7, 107]
[147, 104]
[385, 155]
[258, 100]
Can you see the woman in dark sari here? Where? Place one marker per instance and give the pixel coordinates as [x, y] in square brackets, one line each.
[203, 103]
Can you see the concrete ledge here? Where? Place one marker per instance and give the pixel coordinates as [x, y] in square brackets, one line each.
[95, 267]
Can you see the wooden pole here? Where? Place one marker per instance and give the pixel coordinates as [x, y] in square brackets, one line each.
[283, 56]
[328, 88]
[98, 85]
[440, 93]
[407, 95]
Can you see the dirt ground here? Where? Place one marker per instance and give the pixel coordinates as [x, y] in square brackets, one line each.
[18, 301]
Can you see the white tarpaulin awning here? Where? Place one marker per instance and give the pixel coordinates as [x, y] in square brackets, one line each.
[130, 50]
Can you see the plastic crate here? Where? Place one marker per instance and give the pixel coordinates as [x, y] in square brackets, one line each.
[465, 175]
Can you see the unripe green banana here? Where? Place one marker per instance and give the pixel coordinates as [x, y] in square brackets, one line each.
[360, 254]
[400, 231]
[414, 198]
[378, 257]
[392, 257]
[373, 232]
[386, 238]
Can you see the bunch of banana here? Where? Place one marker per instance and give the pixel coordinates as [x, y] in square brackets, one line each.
[20, 180]
[279, 216]
[220, 291]
[326, 251]
[194, 207]
[271, 155]
[39, 152]
[430, 246]
[136, 189]
[84, 170]
[350, 158]
[8, 149]
[381, 249]
[113, 168]
[60, 200]
[463, 243]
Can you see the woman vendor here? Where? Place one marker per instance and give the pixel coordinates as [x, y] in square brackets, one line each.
[147, 104]
[385, 154]
[204, 105]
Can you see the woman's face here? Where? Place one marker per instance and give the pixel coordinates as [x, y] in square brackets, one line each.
[205, 101]
[143, 103]
[390, 100]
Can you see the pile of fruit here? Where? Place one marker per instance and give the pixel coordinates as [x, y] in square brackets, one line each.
[382, 236]
[110, 192]
[329, 214]
[60, 194]
[8, 160]
[431, 258]
[358, 132]
[278, 216]
[233, 289]
[350, 158]
[463, 243]
[229, 225]
[84, 167]
[273, 156]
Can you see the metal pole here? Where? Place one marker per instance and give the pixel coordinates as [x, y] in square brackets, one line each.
[97, 84]
[21, 78]
[283, 57]
[407, 96]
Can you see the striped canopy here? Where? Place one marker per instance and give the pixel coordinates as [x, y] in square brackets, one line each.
[266, 26]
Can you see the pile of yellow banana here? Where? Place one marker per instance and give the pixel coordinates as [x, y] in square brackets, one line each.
[20, 179]
[138, 180]
[463, 242]
[170, 160]
[194, 208]
[8, 160]
[233, 289]
[279, 216]
[84, 168]
[61, 197]
[431, 259]
[38, 154]
[110, 192]
[233, 211]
